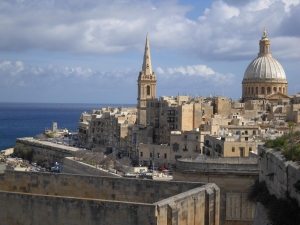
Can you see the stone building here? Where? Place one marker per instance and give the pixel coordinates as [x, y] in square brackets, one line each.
[146, 85]
[233, 141]
[179, 113]
[83, 128]
[264, 78]
[106, 127]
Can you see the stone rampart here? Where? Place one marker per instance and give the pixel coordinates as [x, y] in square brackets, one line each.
[191, 207]
[249, 165]
[21, 208]
[280, 175]
[106, 188]
[232, 178]
[45, 198]
[44, 150]
[72, 166]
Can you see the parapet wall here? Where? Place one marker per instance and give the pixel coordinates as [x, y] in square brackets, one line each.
[196, 206]
[42, 198]
[247, 165]
[44, 150]
[280, 175]
[106, 188]
[20, 208]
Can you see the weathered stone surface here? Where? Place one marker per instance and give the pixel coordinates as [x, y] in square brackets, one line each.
[44, 198]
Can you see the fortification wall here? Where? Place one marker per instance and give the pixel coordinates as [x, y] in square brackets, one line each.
[40, 198]
[72, 166]
[106, 188]
[48, 151]
[197, 206]
[219, 165]
[232, 179]
[20, 208]
[280, 175]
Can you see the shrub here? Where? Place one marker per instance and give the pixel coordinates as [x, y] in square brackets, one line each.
[282, 211]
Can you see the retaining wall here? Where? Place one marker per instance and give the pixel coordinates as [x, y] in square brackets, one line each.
[72, 166]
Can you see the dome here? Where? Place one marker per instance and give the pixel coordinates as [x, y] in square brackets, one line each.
[264, 68]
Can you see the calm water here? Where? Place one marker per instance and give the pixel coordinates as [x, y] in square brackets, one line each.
[29, 119]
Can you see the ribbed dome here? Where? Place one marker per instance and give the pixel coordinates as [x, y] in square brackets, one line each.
[264, 68]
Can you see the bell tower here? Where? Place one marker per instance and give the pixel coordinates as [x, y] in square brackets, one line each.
[146, 85]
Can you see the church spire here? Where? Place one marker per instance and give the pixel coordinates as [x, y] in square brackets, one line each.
[147, 66]
[264, 45]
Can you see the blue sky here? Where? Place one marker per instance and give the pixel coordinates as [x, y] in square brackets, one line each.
[92, 51]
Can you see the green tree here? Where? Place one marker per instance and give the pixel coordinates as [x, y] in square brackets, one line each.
[22, 151]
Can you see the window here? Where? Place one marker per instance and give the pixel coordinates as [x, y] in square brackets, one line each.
[185, 148]
[262, 90]
[175, 146]
[158, 155]
[246, 132]
[268, 90]
[256, 90]
[246, 138]
[141, 154]
[250, 149]
[233, 149]
[233, 206]
[254, 132]
[148, 90]
[274, 89]
[165, 155]
[196, 137]
[252, 90]
[150, 154]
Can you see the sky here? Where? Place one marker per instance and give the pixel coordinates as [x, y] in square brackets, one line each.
[91, 51]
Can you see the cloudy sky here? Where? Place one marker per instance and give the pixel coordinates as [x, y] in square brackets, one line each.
[75, 51]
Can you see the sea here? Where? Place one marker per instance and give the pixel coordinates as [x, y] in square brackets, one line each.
[30, 119]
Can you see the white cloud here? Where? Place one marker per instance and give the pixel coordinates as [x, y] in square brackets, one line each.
[201, 73]
[226, 30]
[159, 70]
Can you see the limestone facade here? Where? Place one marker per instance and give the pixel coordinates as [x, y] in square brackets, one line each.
[106, 127]
[233, 141]
[180, 113]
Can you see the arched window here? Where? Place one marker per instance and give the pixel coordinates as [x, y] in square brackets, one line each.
[148, 90]
[274, 89]
[252, 90]
[283, 90]
[256, 90]
[280, 89]
[263, 90]
[268, 90]
[248, 90]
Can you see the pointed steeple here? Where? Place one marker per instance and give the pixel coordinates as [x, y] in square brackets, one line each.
[147, 66]
[264, 45]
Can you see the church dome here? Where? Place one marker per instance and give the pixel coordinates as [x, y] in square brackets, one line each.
[264, 68]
